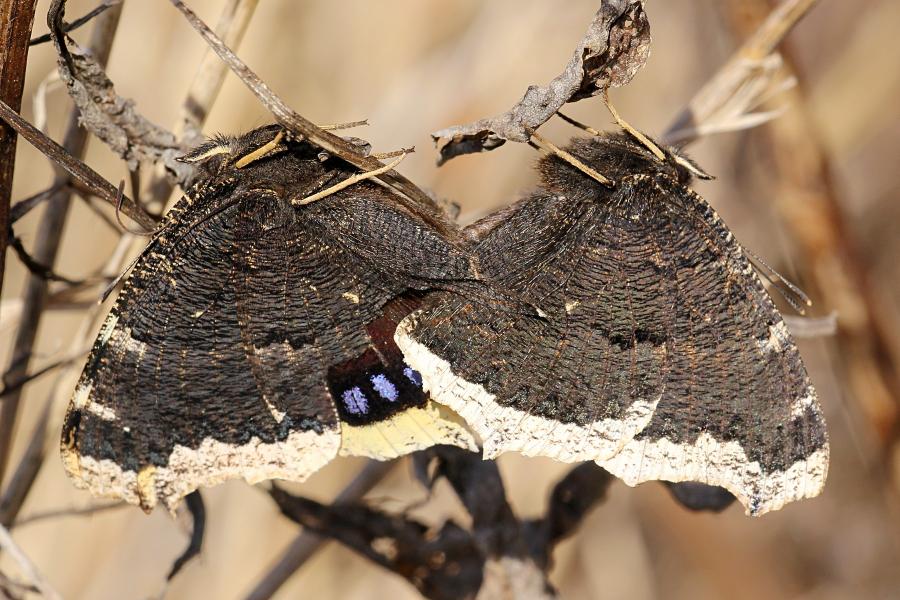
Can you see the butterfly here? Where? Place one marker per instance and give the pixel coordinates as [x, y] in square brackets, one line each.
[253, 337]
[659, 354]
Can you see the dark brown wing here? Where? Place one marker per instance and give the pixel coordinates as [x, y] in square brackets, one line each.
[165, 403]
[577, 384]
[738, 410]
[661, 355]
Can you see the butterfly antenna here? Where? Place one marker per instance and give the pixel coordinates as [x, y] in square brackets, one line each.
[577, 124]
[780, 283]
[352, 180]
[536, 141]
[631, 130]
[120, 199]
[115, 282]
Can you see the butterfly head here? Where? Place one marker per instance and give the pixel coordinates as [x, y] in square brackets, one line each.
[617, 156]
[269, 158]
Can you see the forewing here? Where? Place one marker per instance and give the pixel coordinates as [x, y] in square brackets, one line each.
[738, 410]
[576, 384]
[166, 402]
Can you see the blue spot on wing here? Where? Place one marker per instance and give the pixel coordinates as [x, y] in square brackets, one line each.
[384, 387]
[413, 376]
[355, 401]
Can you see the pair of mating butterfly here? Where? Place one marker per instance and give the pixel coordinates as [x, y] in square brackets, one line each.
[261, 334]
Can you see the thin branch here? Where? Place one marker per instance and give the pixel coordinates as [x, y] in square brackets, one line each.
[36, 268]
[306, 544]
[23, 207]
[28, 569]
[83, 174]
[194, 503]
[58, 513]
[204, 89]
[82, 20]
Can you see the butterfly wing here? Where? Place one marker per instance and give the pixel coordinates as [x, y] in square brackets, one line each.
[245, 344]
[165, 403]
[738, 410]
[575, 385]
[667, 361]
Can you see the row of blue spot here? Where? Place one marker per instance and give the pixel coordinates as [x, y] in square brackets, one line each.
[357, 403]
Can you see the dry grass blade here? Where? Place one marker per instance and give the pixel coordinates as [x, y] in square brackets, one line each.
[742, 83]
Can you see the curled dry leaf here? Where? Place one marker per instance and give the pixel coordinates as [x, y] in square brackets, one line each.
[615, 46]
[104, 113]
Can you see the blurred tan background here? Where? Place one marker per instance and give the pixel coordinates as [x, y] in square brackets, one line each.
[414, 66]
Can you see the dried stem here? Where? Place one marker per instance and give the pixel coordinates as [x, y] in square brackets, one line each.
[16, 20]
[205, 88]
[422, 204]
[83, 511]
[28, 569]
[73, 168]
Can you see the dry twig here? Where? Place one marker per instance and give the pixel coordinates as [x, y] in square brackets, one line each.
[16, 19]
[614, 48]
[28, 569]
